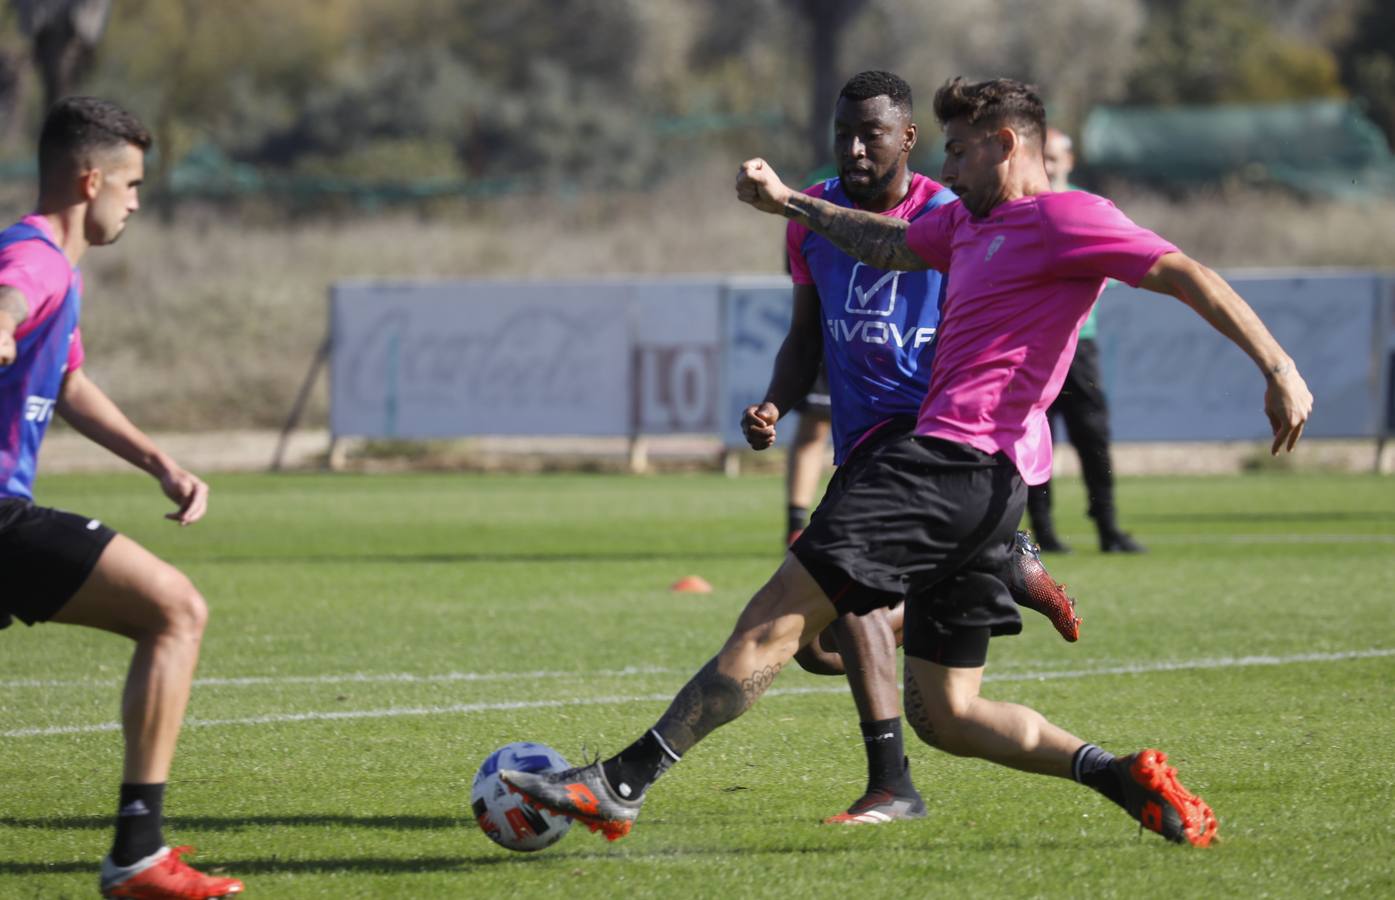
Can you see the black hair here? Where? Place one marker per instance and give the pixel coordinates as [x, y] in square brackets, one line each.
[1001, 101]
[876, 83]
[79, 126]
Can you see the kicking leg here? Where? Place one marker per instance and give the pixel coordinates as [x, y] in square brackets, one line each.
[784, 615]
[788, 612]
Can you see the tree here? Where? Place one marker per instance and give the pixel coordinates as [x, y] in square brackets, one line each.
[64, 35]
[1225, 51]
[826, 22]
[1368, 63]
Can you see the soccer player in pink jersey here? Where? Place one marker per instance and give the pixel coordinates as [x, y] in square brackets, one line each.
[870, 335]
[60, 567]
[1025, 265]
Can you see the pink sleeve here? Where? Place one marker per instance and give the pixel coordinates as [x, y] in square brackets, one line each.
[931, 236]
[40, 275]
[1091, 238]
[795, 234]
[794, 250]
[20, 275]
[76, 355]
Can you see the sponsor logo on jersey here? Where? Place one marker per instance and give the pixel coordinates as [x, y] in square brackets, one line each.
[871, 292]
[993, 247]
[38, 409]
[863, 331]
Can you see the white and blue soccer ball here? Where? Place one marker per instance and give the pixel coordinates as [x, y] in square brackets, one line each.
[503, 815]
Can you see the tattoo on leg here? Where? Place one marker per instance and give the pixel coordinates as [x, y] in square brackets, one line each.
[917, 714]
[708, 701]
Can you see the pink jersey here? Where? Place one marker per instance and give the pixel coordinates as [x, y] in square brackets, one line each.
[1021, 282]
[43, 275]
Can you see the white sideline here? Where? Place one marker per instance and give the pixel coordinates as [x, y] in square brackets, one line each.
[1226, 662]
[358, 678]
[1272, 539]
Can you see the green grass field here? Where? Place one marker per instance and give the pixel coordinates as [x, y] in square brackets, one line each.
[373, 638]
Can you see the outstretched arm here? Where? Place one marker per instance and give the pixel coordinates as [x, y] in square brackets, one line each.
[877, 240]
[796, 368]
[92, 413]
[14, 309]
[1287, 400]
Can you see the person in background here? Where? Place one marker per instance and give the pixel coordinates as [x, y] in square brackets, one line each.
[1084, 409]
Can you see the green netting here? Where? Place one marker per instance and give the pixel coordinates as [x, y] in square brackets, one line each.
[1325, 147]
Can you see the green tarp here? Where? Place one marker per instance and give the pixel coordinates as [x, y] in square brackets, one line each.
[1321, 147]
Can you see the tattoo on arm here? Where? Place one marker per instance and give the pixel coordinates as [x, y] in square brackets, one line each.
[14, 303]
[877, 240]
[709, 701]
[917, 714]
[1282, 368]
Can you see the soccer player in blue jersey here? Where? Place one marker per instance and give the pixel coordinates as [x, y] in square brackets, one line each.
[874, 332]
[60, 567]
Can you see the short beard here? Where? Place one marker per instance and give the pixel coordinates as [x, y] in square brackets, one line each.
[873, 190]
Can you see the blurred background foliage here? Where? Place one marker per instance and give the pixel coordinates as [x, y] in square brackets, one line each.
[304, 143]
[409, 98]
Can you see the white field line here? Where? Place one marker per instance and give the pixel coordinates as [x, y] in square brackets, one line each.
[358, 678]
[1228, 662]
[1271, 539]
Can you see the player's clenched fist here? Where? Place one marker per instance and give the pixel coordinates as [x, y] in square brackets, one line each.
[7, 347]
[758, 185]
[758, 425]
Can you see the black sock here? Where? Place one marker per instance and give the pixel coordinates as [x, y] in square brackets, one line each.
[639, 765]
[797, 516]
[139, 817]
[1090, 767]
[886, 756]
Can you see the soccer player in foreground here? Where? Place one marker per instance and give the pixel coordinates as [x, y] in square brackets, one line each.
[60, 567]
[1026, 266]
[874, 332]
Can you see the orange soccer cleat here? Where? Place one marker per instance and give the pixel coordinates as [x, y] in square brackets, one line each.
[164, 876]
[1154, 796]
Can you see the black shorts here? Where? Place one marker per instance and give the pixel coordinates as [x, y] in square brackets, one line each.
[817, 402]
[921, 519]
[45, 556]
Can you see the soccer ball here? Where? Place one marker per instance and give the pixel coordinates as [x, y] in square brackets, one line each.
[503, 815]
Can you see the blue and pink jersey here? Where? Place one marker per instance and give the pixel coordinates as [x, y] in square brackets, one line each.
[48, 341]
[1025, 278]
[879, 325]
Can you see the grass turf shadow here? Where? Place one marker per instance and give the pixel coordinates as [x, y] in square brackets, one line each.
[230, 823]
